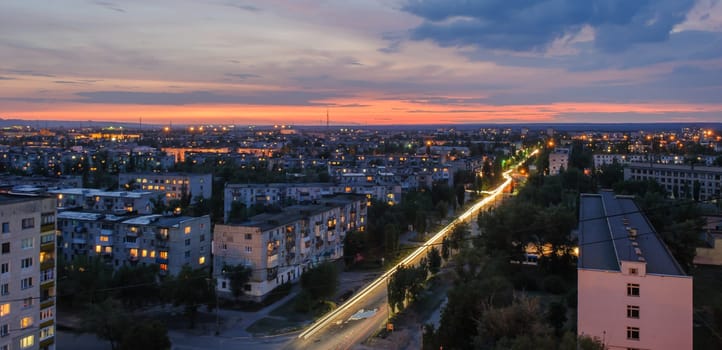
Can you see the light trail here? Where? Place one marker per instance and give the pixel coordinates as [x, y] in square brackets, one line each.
[326, 320]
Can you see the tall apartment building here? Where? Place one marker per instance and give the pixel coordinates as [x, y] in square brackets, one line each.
[680, 181]
[632, 293]
[279, 247]
[170, 185]
[558, 160]
[168, 241]
[27, 272]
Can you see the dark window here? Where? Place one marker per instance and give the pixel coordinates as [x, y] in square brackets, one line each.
[632, 289]
[632, 311]
[5, 248]
[28, 223]
[6, 227]
[632, 333]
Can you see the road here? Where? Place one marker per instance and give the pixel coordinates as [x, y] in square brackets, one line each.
[334, 331]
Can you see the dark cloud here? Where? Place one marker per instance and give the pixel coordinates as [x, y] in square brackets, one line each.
[284, 98]
[243, 6]
[242, 76]
[349, 105]
[528, 25]
[28, 72]
[6, 78]
[66, 82]
[110, 6]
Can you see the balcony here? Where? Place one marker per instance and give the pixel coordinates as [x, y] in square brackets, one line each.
[132, 244]
[159, 260]
[272, 261]
[106, 232]
[78, 240]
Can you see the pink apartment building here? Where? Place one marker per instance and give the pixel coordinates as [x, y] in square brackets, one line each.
[632, 294]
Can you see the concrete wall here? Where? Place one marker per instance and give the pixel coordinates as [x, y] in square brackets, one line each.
[665, 304]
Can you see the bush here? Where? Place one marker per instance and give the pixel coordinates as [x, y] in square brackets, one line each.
[324, 307]
[524, 281]
[303, 303]
[572, 298]
[554, 284]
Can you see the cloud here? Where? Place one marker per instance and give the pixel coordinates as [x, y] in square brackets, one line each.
[242, 76]
[273, 98]
[6, 78]
[242, 6]
[109, 5]
[533, 25]
[28, 72]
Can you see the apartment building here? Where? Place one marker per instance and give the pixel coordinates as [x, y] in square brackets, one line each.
[115, 202]
[681, 181]
[632, 293]
[558, 160]
[170, 185]
[249, 195]
[279, 247]
[27, 272]
[168, 241]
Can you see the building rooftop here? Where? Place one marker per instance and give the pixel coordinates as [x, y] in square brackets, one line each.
[17, 198]
[613, 229]
[96, 192]
[87, 216]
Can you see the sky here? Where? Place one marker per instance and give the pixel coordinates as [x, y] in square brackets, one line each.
[364, 62]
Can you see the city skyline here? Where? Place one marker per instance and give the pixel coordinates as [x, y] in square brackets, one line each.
[365, 62]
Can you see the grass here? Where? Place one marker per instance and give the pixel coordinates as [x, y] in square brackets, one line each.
[273, 325]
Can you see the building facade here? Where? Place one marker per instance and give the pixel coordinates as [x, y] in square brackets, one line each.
[558, 160]
[167, 241]
[114, 202]
[170, 185]
[282, 194]
[279, 247]
[27, 272]
[681, 181]
[632, 293]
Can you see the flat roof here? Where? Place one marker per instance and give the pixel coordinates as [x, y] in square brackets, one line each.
[87, 216]
[17, 198]
[96, 192]
[605, 221]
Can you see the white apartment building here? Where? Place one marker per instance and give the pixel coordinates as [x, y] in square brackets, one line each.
[27, 272]
[170, 185]
[558, 160]
[632, 293]
[680, 181]
[249, 195]
[279, 247]
[113, 202]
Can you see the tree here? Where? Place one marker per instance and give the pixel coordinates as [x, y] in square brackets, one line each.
[391, 239]
[108, 321]
[191, 288]
[321, 281]
[434, 259]
[146, 336]
[405, 284]
[445, 248]
[137, 285]
[355, 243]
[556, 315]
[238, 276]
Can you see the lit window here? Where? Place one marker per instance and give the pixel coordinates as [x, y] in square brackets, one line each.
[26, 322]
[144, 253]
[98, 249]
[27, 342]
[108, 250]
[187, 230]
[133, 253]
[104, 238]
[164, 267]
[152, 253]
[4, 309]
[47, 332]
[201, 260]
[163, 254]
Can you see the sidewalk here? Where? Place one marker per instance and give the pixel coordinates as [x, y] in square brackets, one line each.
[233, 323]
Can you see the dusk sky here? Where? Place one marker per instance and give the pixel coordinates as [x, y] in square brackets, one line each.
[365, 61]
